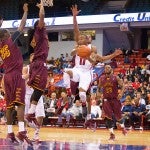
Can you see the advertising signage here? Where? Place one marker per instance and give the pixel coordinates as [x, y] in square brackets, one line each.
[108, 18]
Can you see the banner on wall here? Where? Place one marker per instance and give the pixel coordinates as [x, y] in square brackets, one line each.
[109, 18]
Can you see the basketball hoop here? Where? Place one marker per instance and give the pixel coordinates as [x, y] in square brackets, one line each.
[48, 3]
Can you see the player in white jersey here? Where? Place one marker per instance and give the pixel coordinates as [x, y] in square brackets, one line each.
[40, 113]
[82, 71]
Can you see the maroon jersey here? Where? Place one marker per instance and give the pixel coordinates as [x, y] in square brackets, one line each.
[11, 56]
[13, 63]
[109, 86]
[41, 49]
[38, 70]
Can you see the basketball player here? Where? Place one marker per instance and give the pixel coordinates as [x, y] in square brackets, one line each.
[14, 84]
[108, 85]
[38, 69]
[82, 71]
[40, 112]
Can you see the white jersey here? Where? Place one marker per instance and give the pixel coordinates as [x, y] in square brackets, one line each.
[29, 90]
[82, 63]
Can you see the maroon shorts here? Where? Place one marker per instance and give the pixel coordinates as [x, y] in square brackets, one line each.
[38, 75]
[112, 107]
[14, 89]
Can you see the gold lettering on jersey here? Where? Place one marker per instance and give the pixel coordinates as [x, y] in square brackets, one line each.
[108, 87]
[4, 52]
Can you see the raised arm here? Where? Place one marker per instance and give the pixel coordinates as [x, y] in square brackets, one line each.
[24, 18]
[108, 57]
[75, 12]
[41, 15]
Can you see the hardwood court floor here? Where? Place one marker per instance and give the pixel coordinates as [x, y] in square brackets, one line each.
[80, 135]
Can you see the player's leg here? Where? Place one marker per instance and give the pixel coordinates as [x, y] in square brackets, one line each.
[107, 115]
[22, 134]
[116, 105]
[30, 117]
[40, 114]
[10, 133]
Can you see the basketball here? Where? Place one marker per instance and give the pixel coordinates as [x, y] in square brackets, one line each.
[83, 51]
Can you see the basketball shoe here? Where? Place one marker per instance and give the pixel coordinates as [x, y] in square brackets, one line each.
[32, 121]
[22, 136]
[112, 137]
[11, 137]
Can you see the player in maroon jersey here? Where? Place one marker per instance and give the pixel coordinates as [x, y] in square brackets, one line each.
[108, 85]
[14, 84]
[38, 70]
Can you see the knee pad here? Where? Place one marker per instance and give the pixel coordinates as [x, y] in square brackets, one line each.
[36, 95]
[82, 96]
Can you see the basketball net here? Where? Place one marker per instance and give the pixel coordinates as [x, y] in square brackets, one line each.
[47, 3]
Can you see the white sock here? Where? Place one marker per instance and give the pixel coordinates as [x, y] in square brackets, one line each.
[88, 116]
[9, 129]
[32, 109]
[21, 126]
[111, 130]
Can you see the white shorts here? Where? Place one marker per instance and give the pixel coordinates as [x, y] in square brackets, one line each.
[39, 112]
[84, 77]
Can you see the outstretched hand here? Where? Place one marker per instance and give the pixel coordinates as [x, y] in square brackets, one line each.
[75, 10]
[39, 4]
[25, 7]
[118, 52]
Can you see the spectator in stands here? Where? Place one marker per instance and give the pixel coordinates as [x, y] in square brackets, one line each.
[13, 83]
[74, 112]
[50, 105]
[144, 76]
[51, 61]
[61, 107]
[129, 90]
[127, 110]
[96, 111]
[94, 87]
[136, 71]
[122, 72]
[126, 59]
[137, 112]
[67, 57]
[133, 63]
[50, 83]
[129, 74]
[139, 97]
[136, 84]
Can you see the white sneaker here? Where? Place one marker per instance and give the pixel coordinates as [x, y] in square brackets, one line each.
[36, 134]
[141, 128]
